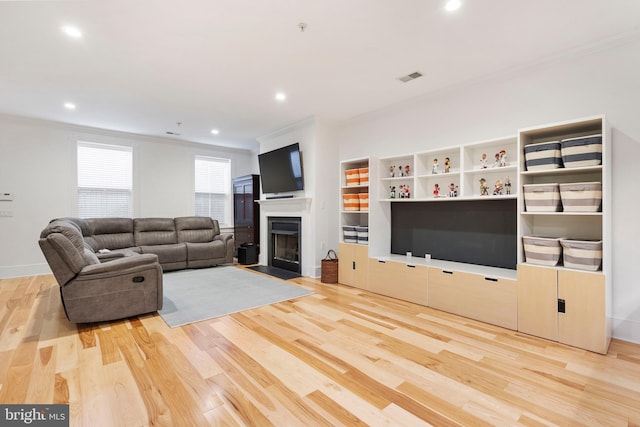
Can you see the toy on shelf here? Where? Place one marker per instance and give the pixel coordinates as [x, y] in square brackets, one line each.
[403, 192]
[392, 171]
[435, 169]
[483, 161]
[447, 165]
[484, 187]
[392, 192]
[503, 158]
[507, 185]
[436, 190]
[497, 188]
[453, 190]
[407, 170]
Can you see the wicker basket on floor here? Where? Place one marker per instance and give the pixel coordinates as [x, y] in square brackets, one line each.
[329, 268]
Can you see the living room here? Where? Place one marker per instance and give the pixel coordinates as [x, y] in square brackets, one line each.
[598, 77]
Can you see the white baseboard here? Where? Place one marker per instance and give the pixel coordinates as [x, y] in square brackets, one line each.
[626, 330]
[8, 272]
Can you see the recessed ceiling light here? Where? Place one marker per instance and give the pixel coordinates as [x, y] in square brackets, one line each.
[73, 32]
[280, 96]
[69, 105]
[215, 131]
[453, 5]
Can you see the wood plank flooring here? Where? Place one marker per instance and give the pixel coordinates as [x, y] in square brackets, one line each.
[340, 357]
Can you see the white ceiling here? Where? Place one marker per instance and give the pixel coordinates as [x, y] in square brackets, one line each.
[144, 65]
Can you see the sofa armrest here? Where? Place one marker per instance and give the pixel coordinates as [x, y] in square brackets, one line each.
[223, 237]
[109, 256]
[119, 264]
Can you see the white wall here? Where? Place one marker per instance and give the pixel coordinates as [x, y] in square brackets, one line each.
[320, 168]
[38, 165]
[583, 84]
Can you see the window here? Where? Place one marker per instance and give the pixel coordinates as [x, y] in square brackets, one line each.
[105, 181]
[213, 189]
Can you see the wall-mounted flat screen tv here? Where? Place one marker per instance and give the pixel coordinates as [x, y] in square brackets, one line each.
[281, 170]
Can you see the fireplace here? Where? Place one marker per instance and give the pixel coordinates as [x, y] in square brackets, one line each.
[284, 243]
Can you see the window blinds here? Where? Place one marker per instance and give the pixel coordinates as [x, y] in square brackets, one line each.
[212, 189]
[105, 181]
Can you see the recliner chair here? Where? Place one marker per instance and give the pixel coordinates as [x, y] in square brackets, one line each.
[92, 291]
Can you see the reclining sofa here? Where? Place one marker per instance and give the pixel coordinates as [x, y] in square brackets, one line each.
[111, 268]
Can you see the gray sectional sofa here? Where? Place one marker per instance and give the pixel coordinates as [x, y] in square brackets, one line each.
[111, 268]
[179, 243]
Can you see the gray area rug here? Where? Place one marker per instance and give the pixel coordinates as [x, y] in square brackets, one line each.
[195, 295]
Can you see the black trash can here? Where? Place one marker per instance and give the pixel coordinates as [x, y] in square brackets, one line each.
[247, 254]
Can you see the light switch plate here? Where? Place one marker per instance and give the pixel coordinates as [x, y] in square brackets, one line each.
[6, 197]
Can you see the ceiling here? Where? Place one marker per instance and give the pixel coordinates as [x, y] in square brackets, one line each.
[143, 66]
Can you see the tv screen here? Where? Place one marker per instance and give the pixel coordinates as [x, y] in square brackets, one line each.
[281, 169]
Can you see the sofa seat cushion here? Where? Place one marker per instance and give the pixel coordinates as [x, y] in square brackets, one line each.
[210, 250]
[154, 231]
[168, 254]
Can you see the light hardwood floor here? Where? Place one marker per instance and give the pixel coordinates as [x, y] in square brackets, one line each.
[339, 357]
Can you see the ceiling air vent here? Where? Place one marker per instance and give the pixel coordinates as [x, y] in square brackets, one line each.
[410, 77]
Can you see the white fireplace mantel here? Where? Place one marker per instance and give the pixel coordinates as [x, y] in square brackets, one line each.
[292, 207]
[292, 204]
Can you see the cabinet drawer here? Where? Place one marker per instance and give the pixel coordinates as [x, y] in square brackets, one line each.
[488, 299]
[399, 280]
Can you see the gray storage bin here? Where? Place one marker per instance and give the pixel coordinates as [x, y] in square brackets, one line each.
[362, 234]
[582, 254]
[581, 196]
[582, 151]
[542, 198]
[349, 234]
[543, 156]
[542, 250]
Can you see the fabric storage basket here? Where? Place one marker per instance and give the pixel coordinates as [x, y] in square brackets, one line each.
[582, 254]
[351, 202]
[353, 177]
[363, 173]
[349, 234]
[362, 234]
[542, 250]
[363, 199]
[543, 156]
[582, 151]
[542, 198]
[581, 196]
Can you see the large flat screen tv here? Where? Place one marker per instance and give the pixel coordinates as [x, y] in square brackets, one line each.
[281, 170]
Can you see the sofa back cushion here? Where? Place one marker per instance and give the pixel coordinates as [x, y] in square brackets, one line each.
[196, 229]
[111, 233]
[154, 231]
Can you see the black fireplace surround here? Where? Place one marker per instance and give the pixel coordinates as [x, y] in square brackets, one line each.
[284, 243]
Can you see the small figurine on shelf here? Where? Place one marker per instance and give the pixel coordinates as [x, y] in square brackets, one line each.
[447, 165]
[503, 158]
[484, 187]
[392, 192]
[453, 190]
[497, 189]
[392, 171]
[435, 168]
[400, 170]
[407, 170]
[507, 185]
[483, 161]
[436, 190]
[404, 191]
[496, 163]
